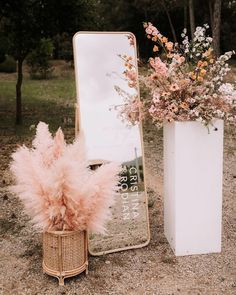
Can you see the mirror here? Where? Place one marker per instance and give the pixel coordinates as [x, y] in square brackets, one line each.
[102, 87]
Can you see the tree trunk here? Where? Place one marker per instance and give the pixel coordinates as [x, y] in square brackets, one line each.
[170, 21]
[18, 91]
[191, 17]
[211, 12]
[185, 15]
[216, 26]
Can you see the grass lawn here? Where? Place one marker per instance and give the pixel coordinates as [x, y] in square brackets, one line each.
[51, 101]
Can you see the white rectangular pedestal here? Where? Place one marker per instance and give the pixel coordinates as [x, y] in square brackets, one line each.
[193, 168]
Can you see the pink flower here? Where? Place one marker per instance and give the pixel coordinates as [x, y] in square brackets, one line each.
[151, 30]
[156, 97]
[165, 94]
[131, 75]
[174, 87]
[169, 45]
[132, 84]
[173, 108]
[132, 111]
[169, 119]
[131, 40]
[154, 76]
[152, 109]
[179, 58]
[159, 66]
[184, 83]
[148, 30]
[155, 31]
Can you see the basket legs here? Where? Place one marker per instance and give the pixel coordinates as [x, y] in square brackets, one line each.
[61, 281]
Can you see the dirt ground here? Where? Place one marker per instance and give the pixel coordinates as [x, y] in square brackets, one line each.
[153, 270]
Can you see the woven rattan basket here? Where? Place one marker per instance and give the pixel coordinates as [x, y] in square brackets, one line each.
[65, 253]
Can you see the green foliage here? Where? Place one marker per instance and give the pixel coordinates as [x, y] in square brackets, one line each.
[125, 15]
[25, 22]
[39, 60]
[2, 53]
[68, 18]
[63, 46]
[228, 27]
[3, 47]
[21, 26]
[8, 65]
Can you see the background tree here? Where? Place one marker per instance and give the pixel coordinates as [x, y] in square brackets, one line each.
[39, 60]
[21, 26]
[228, 26]
[216, 21]
[25, 22]
[191, 17]
[129, 15]
[61, 19]
[167, 6]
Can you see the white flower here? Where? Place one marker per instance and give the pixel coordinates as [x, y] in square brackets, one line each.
[219, 113]
[227, 89]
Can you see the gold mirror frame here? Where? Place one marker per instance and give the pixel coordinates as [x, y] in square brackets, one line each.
[77, 129]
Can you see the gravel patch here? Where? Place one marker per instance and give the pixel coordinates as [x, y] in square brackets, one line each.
[151, 270]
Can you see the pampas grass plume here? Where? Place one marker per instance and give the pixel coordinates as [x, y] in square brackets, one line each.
[58, 189]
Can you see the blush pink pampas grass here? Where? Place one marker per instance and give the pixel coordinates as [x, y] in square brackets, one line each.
[58, 189]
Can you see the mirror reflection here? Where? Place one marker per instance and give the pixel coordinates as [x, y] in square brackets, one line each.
[101, 62]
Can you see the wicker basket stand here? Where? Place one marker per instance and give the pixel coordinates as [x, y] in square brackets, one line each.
[65, 253]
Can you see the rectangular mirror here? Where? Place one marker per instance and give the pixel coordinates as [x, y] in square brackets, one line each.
[100, 61]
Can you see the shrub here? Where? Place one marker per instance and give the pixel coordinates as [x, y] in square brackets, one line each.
[8, 65]
[3, 47]
[63, 47]
[39, 60]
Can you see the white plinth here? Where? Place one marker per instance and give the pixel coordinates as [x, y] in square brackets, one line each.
[193, 165]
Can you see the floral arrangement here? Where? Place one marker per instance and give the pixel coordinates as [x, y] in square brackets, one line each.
[129, 112]
[58, 189]
[185, 82]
